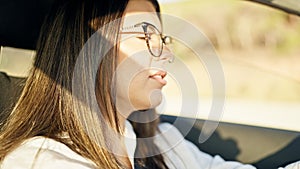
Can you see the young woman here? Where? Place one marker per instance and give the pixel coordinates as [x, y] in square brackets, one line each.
[56, 122]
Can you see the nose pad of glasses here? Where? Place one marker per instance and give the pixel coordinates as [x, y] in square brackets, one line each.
[167, 53]
[168, 56]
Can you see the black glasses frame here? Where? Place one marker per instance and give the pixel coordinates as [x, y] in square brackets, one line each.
[145, 25]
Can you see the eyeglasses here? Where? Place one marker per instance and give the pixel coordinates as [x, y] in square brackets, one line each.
[153, 37]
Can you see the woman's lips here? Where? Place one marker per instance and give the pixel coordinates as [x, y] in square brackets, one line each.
[159, 76]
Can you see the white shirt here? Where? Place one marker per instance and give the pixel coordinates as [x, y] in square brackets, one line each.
[177, 152]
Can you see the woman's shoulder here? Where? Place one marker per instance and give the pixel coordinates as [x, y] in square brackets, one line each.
[42, 152]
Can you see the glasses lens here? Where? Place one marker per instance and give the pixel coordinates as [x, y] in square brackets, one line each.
[155, 42]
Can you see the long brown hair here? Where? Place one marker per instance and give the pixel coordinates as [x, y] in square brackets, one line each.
[47, 106]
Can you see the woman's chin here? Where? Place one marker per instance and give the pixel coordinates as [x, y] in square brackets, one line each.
[155, 98]
[151, 101]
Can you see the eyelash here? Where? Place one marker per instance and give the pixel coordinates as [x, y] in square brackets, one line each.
[141, 37]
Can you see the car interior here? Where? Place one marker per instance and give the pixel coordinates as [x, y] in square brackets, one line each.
[263, 147]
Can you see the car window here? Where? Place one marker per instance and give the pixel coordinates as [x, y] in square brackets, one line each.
[258, 47]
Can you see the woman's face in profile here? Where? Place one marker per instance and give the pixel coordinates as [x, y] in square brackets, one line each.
[140, 75]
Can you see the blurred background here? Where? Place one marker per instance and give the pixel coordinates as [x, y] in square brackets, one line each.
[259, 49]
